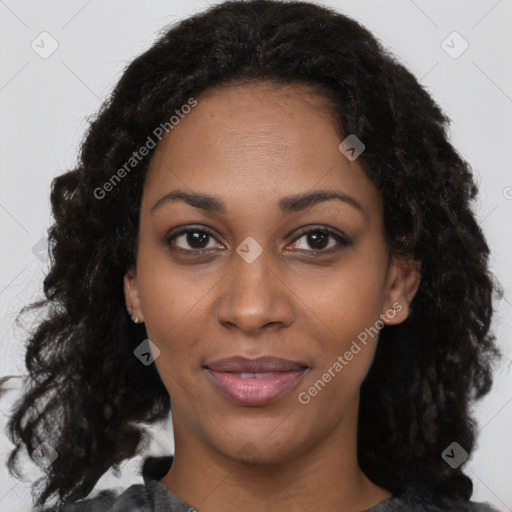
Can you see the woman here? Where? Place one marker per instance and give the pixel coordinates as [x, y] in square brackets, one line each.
[269, 231]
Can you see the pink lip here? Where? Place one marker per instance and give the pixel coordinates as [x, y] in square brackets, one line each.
[281, 376]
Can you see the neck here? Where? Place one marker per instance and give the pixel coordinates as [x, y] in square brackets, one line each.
[326, 477]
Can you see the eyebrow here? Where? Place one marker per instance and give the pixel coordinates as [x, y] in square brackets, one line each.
[288, 204]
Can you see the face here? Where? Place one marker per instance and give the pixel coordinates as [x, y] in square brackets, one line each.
[264, 266]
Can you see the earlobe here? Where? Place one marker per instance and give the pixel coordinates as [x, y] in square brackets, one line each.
[131, 295]
[405, 278]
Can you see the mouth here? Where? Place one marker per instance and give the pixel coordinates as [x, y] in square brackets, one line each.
[253, 382]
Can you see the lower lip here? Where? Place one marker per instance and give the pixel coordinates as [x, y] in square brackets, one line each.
[254, 391]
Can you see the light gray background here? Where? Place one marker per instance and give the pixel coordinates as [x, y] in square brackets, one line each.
[45, 103]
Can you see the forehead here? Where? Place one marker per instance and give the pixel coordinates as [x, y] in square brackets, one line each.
[256, 141]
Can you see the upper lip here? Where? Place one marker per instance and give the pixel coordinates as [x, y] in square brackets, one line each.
[261, 364]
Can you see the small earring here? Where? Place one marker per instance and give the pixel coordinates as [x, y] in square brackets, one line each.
[136, 321]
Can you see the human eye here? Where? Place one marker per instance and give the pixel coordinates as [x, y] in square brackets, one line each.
[321, 240]
[192, 240]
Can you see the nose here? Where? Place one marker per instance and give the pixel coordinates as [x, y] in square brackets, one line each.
[254, 297]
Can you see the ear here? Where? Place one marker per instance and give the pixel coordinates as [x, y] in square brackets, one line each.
[402, 284]
[131, 295]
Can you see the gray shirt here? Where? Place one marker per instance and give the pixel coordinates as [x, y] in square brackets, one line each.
[155, 497]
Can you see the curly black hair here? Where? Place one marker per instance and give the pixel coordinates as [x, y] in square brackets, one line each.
[89, 397]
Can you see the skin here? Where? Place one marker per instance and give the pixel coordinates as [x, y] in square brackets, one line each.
[249, 146]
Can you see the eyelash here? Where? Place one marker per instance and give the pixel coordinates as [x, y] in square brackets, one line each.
[342, 240]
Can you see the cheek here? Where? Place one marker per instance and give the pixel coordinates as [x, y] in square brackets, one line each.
[343, 355]
[173, 316]
[340, 304]
[169, 293]
[173, 303]
[340, 316]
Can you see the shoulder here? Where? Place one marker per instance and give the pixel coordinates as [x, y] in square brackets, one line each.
[411, 503]
[134, 499]
[137, 498]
